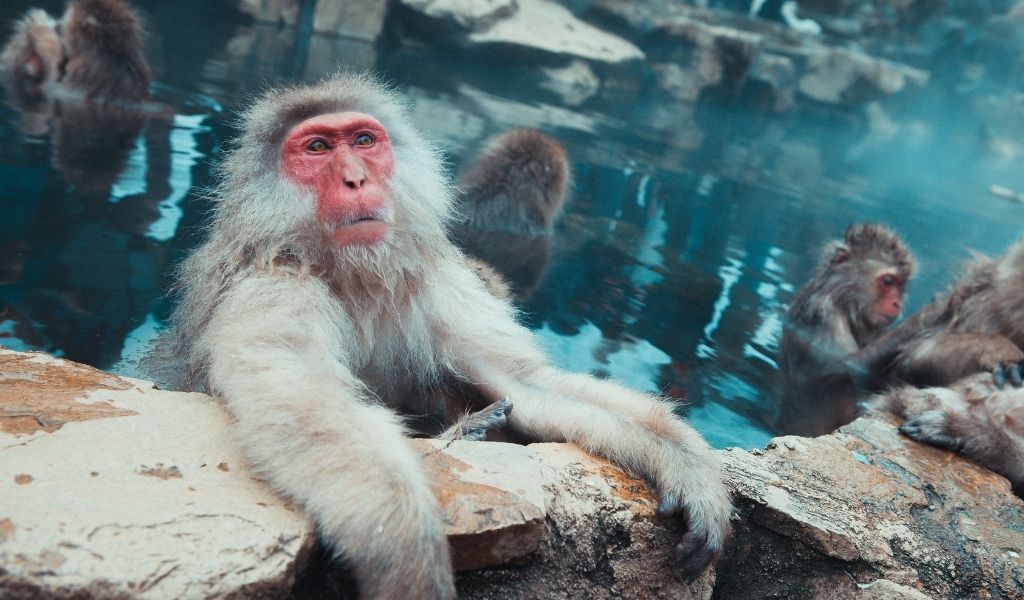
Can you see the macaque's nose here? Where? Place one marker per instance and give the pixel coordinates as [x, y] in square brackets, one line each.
[354, 178]
[353, 172]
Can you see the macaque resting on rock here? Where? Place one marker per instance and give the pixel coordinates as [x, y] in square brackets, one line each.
[832, 343]
[972, 416]
[328, 298]
[978, 325]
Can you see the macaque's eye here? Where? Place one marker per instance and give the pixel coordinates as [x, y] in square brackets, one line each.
[889, 280]
[363, 140]
[317, 146]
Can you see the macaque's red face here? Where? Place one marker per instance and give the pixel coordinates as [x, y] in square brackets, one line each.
[345, 160]
[889, 297]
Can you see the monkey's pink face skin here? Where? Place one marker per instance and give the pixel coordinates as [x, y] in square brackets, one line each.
[345, 160]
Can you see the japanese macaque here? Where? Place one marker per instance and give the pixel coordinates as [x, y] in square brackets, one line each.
[103, 41]
[512, 197]
[95, 53]
[328, 298]
[832, 344]
[31, 59]
[972, 416]
[978, 325]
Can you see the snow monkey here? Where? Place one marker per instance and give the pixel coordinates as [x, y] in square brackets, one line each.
[94, 53]
[972, 416]
[978, 325]
[512, 196]
[327, 299]
[833, 346]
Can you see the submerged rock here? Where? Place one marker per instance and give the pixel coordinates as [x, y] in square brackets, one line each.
[109, 487]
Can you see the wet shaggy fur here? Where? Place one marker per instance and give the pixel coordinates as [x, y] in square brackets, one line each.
[512, 196]
[31, 58]
[103, 40]
[315, 349]
[830, 339]
[978, 325]
[972, 416]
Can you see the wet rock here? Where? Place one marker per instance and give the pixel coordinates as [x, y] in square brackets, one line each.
[122, 490]
[542, 28]
[357, 19]
[697, 51]
[492, 498]
[271, 11]
[574, 83]
[841, 76]
[867, 513]
[602, 539]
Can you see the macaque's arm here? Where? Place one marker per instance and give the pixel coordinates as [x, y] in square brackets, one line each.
[275, 356]
[634, 430]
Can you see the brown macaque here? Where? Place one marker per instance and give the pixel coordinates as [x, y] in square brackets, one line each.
[972, 416]
[832, 342]
[978, 325]
[328, 299]
[512, 197]
[31, 59]
[94, 54]
[91, 91]
[103, 42]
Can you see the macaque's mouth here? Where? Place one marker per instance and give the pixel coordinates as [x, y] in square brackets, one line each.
[359, 231]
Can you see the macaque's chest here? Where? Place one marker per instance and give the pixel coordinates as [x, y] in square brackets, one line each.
[404, 362]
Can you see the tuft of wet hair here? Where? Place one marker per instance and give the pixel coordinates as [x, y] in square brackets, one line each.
[869, 242]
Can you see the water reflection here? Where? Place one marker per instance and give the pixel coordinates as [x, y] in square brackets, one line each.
[687, 231]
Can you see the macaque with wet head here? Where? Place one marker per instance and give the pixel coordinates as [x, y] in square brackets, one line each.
[833, 343]
[328, 299]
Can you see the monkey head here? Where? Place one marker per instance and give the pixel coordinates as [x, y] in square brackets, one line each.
[345, 161]
[870, 269]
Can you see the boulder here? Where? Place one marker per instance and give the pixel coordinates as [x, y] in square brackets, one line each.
[868, 513]
[541, 28]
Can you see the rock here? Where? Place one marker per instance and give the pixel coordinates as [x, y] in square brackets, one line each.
[540, 27]
[357, 19]
[574, 83]
[492, 498]
[272, 11]
[867, 513]
[694, 50]
[841, 76]
[469, 15]
[603, 539]
[111, 488]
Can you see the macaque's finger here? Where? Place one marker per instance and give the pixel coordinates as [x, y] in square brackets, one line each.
[1015, 375]
[999, 376]
[697, 549]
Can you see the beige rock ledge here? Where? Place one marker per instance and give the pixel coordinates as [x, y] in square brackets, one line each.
[109, 488]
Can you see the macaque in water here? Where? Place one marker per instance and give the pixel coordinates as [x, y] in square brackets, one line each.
[512, 197]
[978, 325]
[832, 343]
[31, 59]
[95, 53]
[972, 416]
[328, 299]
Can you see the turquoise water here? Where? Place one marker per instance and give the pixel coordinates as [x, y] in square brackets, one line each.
[687, 232]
